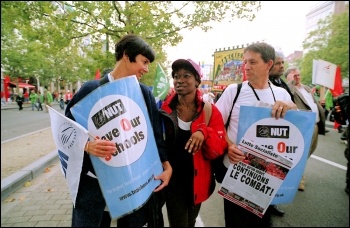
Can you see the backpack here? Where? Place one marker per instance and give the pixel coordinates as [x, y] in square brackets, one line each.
[218, 167]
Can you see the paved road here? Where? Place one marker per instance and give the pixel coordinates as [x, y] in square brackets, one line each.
[324, 203]
[16, 123]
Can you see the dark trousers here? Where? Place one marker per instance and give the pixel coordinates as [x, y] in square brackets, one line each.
[346, 154]
[236, 216]
[90, 205]
[20, 104]
[180, 209]
[40, 107]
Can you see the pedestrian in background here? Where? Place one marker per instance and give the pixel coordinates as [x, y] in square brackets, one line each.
[26, 96]
[343, 102]
[258, 59]
[328, 99]
[33, 97]
[40, 101]
[133, 56]
[68, 96]
[305, 100]
[47, 99]
[191, 143]
[61, 100]
[208, 96]
[20, 100]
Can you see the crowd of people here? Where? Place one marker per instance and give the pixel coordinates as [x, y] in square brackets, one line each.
[39, 99]
[190, 131]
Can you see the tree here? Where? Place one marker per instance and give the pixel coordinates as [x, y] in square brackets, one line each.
[330, 42]
[105, 22]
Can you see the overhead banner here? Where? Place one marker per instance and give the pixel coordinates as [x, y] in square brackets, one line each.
[117, 112]
[228, 66]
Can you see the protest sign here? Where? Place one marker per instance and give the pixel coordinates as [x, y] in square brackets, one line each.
[290, 137]
[116, 111]
[323, 73]
[253, 182]
[70, 139]
[161, 84]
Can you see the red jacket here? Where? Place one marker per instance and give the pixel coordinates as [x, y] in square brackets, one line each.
[213, 146]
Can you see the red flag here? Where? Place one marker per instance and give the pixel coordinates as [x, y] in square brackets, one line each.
[6, 90]
[244, 77]
[97, 74]
[338, 88]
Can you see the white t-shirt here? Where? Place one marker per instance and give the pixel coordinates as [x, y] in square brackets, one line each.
[246, 97]
[208, 97]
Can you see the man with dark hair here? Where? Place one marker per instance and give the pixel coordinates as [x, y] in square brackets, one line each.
[277, 71]
[275, 74]
[133, 56]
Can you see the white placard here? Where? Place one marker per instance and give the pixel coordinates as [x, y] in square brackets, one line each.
[323, 73]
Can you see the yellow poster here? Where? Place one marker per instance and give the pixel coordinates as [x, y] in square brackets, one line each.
[228, 66]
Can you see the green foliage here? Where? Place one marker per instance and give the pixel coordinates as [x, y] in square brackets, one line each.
[45, 39]
[330, 42]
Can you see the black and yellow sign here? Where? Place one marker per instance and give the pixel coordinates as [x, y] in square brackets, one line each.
[228, 66]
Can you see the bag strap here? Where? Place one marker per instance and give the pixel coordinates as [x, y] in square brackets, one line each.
[207, 110]
[104, 80]
[233, 104]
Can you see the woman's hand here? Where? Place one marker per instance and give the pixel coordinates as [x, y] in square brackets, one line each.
[100, 148]
[195, 142]
[164, 176]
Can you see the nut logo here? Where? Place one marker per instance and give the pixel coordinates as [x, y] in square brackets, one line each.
[67, 135]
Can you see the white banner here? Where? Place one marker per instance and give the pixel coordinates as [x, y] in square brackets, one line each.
[323, 73]
[70, 139]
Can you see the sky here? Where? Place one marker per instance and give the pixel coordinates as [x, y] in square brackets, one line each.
[281, 24]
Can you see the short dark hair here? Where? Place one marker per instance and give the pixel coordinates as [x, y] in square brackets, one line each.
[266, 51]
[133, 45]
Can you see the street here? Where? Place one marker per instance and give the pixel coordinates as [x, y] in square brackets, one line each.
[15, 123]
[324, 202]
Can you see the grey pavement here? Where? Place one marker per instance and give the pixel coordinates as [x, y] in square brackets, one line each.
[45, 201]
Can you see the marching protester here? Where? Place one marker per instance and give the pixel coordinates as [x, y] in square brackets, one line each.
[194, 132]
[305, 100]
[259, 59]
[33, 97]
[68, 96]
[48, 99]
[275, 74]
[40, 100]
[20, 100]
[133, 56]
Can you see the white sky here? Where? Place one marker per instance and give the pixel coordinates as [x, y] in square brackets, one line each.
[281, 24]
